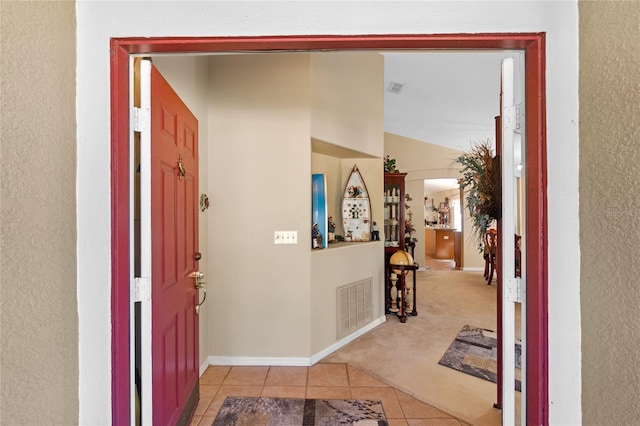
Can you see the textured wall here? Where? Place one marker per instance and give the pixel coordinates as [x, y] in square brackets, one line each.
[609, 175]
[99, 20]
[39, 325]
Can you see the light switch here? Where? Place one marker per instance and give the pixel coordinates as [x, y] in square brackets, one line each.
[285, 237]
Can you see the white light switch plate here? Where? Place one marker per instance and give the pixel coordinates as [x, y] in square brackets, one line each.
[285, 237]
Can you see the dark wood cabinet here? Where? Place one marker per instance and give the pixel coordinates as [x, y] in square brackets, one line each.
[394, 212]
[393, 227]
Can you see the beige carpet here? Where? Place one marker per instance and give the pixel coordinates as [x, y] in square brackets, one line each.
[406, 355]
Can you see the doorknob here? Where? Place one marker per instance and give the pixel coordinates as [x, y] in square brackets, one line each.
[199, 276]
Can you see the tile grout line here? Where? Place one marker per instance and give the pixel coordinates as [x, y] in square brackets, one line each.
[350, 385]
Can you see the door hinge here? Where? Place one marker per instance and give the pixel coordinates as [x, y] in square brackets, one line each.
[509, 116]
[140, 119]
[513, 290]
[142, 289]
[513, 117]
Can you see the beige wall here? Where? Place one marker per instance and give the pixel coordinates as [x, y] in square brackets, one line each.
[428, 161]
[39, 326]
[609, 173]
[421, 160]
[347, 111]
[262, 115]
[346, 263]
[347, 101]
[259, 182]
[257, 122]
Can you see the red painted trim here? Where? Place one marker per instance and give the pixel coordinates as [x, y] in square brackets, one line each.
[536, 250]
[120, 386]
[288, 43]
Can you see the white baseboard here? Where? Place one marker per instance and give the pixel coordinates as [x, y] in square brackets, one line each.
[203, 366]
[472, 269]
[347, 339]
[290, 361]
[245, 360]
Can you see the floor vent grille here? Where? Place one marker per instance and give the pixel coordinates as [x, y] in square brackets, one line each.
[354, 306]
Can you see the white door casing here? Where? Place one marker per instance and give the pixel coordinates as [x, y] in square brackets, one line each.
[511, 159]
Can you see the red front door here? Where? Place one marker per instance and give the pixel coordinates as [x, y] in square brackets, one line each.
[174, 240]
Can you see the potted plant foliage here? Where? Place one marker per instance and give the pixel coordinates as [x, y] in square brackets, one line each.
[390, 165]
[481, 179]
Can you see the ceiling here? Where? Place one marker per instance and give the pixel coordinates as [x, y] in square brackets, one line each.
[447, 98]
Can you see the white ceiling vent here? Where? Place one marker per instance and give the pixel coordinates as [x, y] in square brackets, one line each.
[395, 87]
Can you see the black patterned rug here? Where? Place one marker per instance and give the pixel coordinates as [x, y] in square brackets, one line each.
[243, 411]
[474, 351]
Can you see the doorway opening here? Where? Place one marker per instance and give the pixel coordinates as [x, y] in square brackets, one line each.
[536, 229]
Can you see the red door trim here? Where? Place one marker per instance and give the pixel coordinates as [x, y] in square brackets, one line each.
[120, 335]
[533, 45]
[536, 248]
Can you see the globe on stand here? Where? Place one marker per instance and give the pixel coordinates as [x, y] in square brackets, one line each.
[401, 258]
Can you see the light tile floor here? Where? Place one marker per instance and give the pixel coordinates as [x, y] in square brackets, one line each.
[323, 380]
